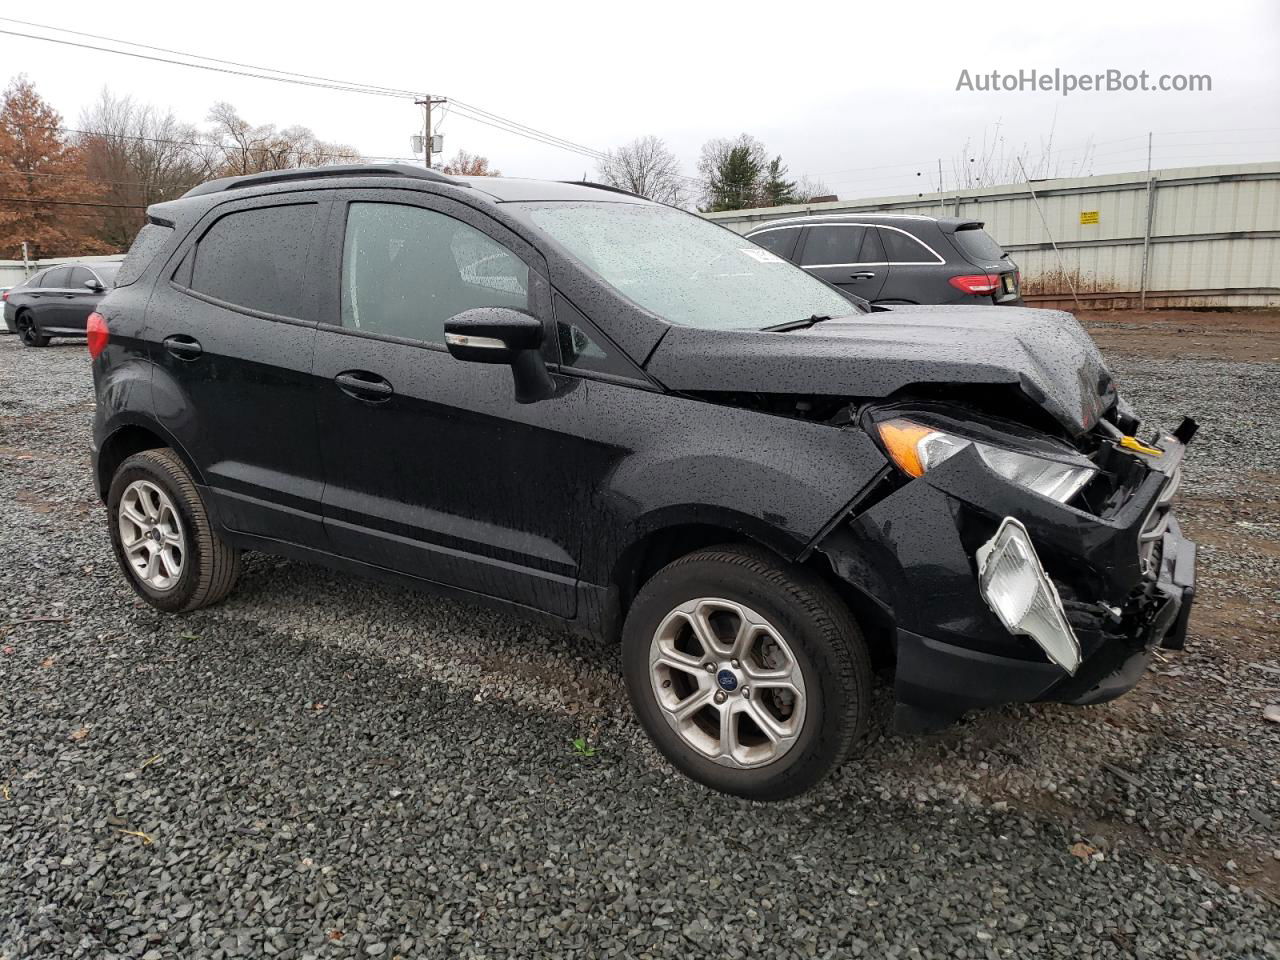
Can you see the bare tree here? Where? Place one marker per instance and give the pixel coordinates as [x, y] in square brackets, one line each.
[807, 188]
[993, 160]
[137, 156]
[466, 164]
[645, 166]
[244, 148]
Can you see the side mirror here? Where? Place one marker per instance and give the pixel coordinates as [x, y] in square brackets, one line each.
[94, 285]
[502, 335]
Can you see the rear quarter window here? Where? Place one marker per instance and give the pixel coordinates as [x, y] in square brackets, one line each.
[143, 250]
[977, 245]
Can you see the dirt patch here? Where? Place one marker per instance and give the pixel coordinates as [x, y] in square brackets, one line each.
[1251, 337]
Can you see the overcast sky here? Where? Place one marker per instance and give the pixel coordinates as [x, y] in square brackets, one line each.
[859, 96]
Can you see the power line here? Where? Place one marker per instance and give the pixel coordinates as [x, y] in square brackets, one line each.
[255, 71]
[74, 203]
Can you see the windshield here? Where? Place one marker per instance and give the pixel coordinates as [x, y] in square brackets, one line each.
[685, 269]
[106, 271]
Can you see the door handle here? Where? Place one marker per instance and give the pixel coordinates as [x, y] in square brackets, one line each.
[364, 386]
[183, 347]
[864, 275]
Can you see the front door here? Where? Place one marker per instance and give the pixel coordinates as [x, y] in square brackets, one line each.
[432, 469]
[231, 332]
[847, 255]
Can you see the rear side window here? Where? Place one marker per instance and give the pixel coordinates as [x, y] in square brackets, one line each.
[255, 258]
[406, 270]
[977, 245]
[901, 247]
[145, 246]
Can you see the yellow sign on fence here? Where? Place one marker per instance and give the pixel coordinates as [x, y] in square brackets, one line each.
[1088, 216]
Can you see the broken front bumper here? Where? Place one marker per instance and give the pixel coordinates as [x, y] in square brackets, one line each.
[1124, 582]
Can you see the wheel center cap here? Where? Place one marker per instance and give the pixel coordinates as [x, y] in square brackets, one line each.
[727, 680]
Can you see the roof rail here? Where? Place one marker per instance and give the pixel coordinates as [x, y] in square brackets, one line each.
[315, 173]
[605, 186]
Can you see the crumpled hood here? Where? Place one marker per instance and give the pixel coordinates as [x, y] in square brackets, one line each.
[1046, 353]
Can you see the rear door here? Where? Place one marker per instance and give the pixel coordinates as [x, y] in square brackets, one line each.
[232, 329]
[432, 469]
[847, 255]
[917, 273]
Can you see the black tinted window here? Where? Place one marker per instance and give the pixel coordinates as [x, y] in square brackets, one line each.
[142, 251]
[781, 241]
[901, 248]
[977, 245]
[406, 270]
[57, 277]
[832, 245]
[584, 348]
[80, 276]
[255, 258]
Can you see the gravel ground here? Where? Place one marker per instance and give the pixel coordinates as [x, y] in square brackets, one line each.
[324, 768]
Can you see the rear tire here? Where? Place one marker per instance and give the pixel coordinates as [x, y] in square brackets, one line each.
[771, 725]
[162, 537]
[29, 333]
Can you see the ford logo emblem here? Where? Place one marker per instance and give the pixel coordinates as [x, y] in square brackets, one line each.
[727, 680]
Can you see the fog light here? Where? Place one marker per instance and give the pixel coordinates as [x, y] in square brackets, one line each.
[1016, 587]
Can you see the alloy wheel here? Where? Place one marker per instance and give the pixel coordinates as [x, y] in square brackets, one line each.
[151, 534]
[727, 682]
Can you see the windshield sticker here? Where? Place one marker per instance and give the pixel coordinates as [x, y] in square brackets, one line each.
[764, 256]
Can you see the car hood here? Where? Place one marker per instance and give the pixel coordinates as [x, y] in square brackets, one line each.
[1044, 353]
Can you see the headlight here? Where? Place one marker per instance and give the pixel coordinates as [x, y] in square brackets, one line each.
[916, 448]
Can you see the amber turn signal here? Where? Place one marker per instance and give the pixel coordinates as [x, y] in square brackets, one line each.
[901, 439]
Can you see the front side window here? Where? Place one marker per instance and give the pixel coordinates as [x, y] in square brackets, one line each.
[684, 269]
[780, 240]
[832, 245]
[255, 258]
[406, 270]
[57, 278]
[80, 276]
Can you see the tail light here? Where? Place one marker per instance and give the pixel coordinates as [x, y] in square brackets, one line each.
[98, 334]
[5, 296]
[980, 283]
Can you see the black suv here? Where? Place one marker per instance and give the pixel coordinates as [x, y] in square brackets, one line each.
[614, 414]
[898, 258]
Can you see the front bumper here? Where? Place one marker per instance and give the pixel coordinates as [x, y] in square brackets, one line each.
[913, 554]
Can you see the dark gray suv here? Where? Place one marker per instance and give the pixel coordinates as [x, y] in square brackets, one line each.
[898, 258]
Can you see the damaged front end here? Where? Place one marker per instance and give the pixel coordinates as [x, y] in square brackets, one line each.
[1016, 566]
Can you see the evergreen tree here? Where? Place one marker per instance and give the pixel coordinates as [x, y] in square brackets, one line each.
[735, 179]
[777, 189]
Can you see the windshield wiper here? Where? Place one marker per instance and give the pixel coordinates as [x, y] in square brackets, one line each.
[804, 324]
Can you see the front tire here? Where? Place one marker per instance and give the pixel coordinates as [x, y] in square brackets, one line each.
[750, 675]
[162, 538]
[29, 333]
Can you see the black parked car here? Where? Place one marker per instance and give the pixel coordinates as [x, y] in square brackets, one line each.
[57, 301]
[898, 258]
[576, 403]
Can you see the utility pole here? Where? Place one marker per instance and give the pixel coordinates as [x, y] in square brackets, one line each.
[1146, 237]
[426, 103]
